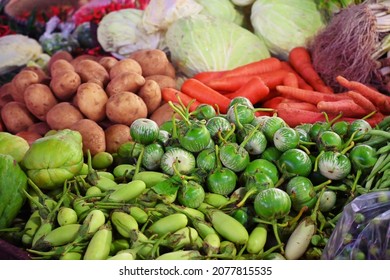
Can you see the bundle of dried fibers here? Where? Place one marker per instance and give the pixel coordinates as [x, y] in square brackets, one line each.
[350, 45]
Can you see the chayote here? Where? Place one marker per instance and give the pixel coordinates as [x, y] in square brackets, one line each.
[53, 159]
[13, 145]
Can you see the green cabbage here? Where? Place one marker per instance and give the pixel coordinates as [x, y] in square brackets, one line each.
[285, 24]
[204, 43]
[222, 9]
[122, 32]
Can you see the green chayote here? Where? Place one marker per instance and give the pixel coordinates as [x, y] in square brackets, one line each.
[53, 159]
[13, 145]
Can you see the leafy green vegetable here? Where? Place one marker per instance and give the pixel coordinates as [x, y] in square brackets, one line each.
[284, 25]
[205, 43]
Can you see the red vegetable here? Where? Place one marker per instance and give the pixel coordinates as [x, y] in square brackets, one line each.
[300, 60]
[255, 90]
[172, 94]
[204, 94]
[255, 68]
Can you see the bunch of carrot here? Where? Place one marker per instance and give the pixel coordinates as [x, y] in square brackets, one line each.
[292, 88]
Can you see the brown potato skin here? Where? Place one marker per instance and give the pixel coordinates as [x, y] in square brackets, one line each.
[39, 99]
[125, 107]
[21, 81]
[6, 94]
[90, 70]
[162, 80]
[150, 93]
[124, 66]
[59, 55]
[116, 135]
[59, 66]
[92, 134]
[91, 100]
[162, 114]
[82, 57]
[16, 117]
[128, 81]
[63, 115]
[65, 84]
[29, 136]
[153, 62]
[108, 62]
[39, 127]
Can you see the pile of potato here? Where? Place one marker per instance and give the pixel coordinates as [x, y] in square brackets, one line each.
[98, 96]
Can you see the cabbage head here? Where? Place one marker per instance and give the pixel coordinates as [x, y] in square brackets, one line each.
[284, 25]
[224, 9]
[122, 32]
[51, 160]
[205, 43]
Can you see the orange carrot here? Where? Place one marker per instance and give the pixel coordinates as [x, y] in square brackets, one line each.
[310, 96]
[378, 99]
[272, 102]
[301, 82]
[172, 94]
[204, 94]
[362, 101]
[291, 80]
[347, 107]
[254, 68]
[294, 116]
[255, 90]
[300, 60]
[228, 84]
[206, 76]
[297, 105]
[273, 78]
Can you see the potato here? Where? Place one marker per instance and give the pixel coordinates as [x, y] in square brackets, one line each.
[6, 94]
[92, 71]
[64, 85]
[39, 99]
[162, 114]
[63, 115]
[108, 62]
[124, 66]
[150, 93]
[153, 62]
[91, 100]
[21, 81]
[125, 107]
[39, 127]
[64, 55]
[29, 136]
[92, 134]
[116, 135]
[129, 81]
[43, 76]
[163, 80]
[82, 57]
[59, 66]
[16, 117]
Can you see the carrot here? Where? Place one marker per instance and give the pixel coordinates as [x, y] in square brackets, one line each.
[300, 60]
[294, 116]
[255, 90]
[272, 102]
[306, 95]
[206, 76]
[301, 82]
[172, 94]
[273, 78]
[291, 80]
[362, 101]
[297, 105]
[347, 107]
[204, 94]
[378, 99]
[254, 68]
[228, 84]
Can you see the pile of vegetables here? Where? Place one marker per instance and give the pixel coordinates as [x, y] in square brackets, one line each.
[177, 190]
